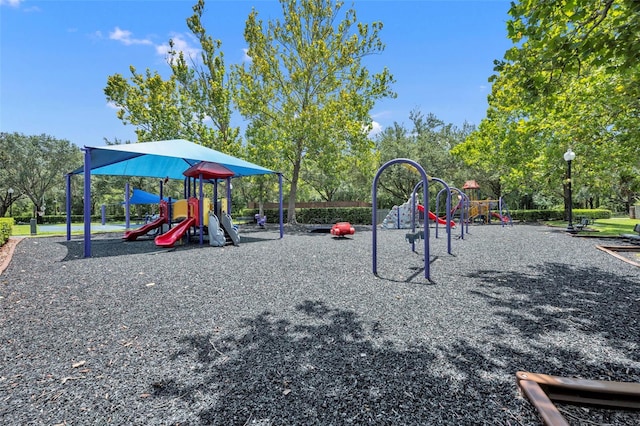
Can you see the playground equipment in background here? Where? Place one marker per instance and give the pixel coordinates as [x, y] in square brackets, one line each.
[484, 210]
[261, 221]
[341, 229]
[132, 234]
[432, 217]
[374, 213]
[169, 238]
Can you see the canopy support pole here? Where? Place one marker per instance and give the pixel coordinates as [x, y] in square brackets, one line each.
[87, 202]
[280, 201]
[127, 207]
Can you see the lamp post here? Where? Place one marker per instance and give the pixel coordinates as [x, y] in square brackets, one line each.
[569, 156]
[10, 192]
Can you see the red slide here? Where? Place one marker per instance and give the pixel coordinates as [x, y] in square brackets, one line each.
[502, 218]
[132, 234]
[433, 217]
[169, 238]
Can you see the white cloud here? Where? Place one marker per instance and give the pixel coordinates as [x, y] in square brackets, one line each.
[245, 56]
[375, 129]
[12, 3]
[125, 38]
[180, 44]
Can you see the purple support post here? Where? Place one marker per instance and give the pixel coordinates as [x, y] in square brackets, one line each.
[448, 214]
[280, 201]
[374, 214]
[464, 210]
[103, 214]
[68, 206]
[200, 212]
[229, 195]
[215, 198]
[127, 215]
[87, 202]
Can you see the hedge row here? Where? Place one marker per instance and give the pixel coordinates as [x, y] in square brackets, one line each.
[557, 214]
[355, 215]
[6, 226]
[362, 215]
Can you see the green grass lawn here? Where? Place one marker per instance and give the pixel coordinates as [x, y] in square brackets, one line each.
[25, 230]
[606, 227]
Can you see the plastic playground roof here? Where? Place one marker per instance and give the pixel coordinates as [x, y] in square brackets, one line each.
[162, 159]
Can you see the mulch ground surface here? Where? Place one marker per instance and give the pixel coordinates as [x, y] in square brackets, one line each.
[300, 331]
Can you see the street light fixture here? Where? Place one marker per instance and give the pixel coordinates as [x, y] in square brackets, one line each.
[569, 156]
[10, 192]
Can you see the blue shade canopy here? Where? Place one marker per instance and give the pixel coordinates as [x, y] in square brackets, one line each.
[142, 197]
[162, 159]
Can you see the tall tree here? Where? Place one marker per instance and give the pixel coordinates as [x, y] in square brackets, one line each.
[34, 165]
[205, 85]
[429, 143]
[306, 81]
[151, 104]
[570, 80]
[193, 103]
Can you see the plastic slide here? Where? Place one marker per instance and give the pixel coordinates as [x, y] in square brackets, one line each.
[132, 234]
[232, 231]
[169, 238]
[433, 217]
[502, 218]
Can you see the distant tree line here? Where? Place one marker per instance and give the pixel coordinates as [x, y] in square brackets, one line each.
[571, 80]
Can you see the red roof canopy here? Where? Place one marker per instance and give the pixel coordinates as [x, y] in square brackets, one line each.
[471, 184]
[208, 170]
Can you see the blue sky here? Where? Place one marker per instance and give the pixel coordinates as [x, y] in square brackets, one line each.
[55, 56]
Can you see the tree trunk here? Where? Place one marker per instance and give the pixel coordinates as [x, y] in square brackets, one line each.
[291, 209]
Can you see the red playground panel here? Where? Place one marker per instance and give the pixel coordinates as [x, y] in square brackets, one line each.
[341, 229]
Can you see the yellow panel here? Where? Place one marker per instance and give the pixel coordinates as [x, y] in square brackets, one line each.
[179, 210]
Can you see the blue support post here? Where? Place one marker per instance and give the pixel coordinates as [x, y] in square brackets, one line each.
[127, 215]
[68, 206]
[87, 202]
[280, 201]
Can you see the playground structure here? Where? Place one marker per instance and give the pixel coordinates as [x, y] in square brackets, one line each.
[197, 213]
[483, 210]
[162, 219]
[342, 229]
[470, 208]
[164, 160]
[374, 217]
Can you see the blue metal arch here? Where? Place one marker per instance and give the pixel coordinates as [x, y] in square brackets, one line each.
[374, 214]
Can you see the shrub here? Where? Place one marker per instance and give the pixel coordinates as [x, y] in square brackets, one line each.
[6, 227]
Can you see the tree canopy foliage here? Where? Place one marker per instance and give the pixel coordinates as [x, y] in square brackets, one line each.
[429, 142]
[33, 166]
[572, 79]
[196, 93]
[307, 93]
